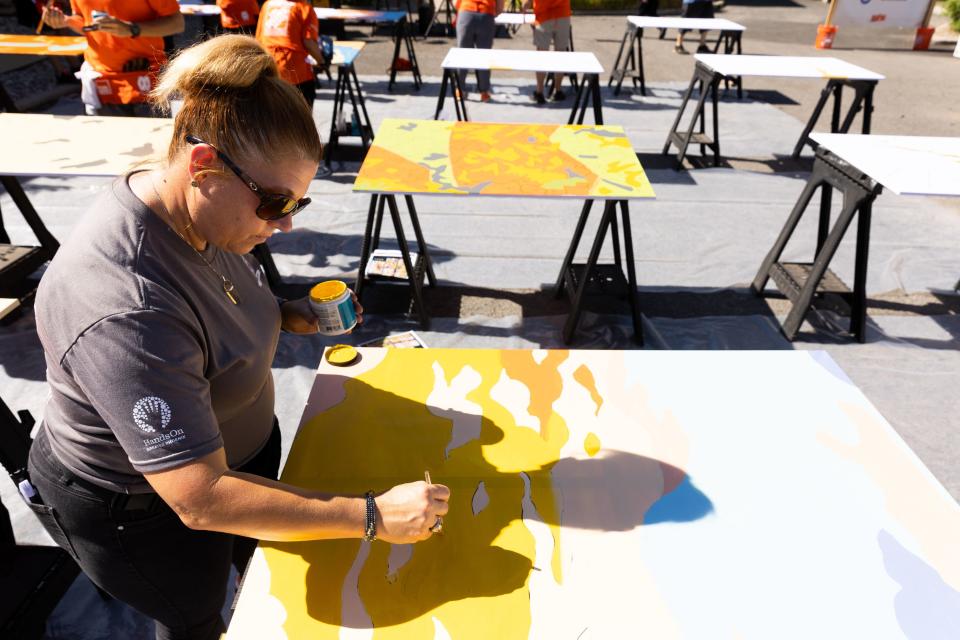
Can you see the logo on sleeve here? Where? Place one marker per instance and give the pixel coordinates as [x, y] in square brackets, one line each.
[151, 414]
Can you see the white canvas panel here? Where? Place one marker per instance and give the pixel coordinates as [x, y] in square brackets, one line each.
[906, 165]
[656, 494]
[786, 67]
[80, 145]
[190, 9]
[359, 15]
[706, 24]
[517, 60]
[515, 18]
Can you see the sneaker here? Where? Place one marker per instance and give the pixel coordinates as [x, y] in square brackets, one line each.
[538, 98]
[703, 49]
[678, 48]
[559, 96]
[484, 96]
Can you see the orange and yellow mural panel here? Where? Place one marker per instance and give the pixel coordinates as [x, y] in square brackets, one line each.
[42, 45]
[494, 159]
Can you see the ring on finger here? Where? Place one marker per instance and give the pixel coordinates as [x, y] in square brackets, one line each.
[437, 526]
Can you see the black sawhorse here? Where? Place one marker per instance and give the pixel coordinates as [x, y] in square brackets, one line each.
[629, 61]
[575, 279]
[17, 263]
[709, 80]
[348, 85]
[402, 5]
[450, 12]
[862, 100]
[587, 92]
[709, 86]
[402, 34]
[803, 282]
[371, 240]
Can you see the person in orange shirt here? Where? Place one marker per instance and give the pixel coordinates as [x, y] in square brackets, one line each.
[239, 16]
[124, 52]
[551, 24]
[476, 28]
[288, 29]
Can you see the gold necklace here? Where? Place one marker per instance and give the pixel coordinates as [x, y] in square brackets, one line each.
[228, 289]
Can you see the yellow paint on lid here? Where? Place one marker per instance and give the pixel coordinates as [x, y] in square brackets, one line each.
[341, 355]
[591, 444]
[327, 291]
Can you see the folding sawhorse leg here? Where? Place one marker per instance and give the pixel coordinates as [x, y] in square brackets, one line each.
[629, 58]
[451, 78]
[348, 84]
[19, 262]
[415, 272]
[587, 91]
[801, 282]
[709, 81]
[574, 279]
[402, 34]
[731, 45]
[862, 99]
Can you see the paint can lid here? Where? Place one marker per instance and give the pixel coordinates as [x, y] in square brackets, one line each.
[341, 355]
[327, 291]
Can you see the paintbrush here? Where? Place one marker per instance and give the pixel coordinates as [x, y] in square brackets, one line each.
[40, 24]
[438, 525]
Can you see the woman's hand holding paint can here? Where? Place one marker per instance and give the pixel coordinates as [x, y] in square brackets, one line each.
[309, 315]
[335, 308]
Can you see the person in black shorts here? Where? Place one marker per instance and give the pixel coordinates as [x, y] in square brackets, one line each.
[695, 9]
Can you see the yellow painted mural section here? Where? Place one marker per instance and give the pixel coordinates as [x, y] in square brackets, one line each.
[473, 578]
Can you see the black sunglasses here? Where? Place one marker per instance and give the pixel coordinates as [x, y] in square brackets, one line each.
[273, 206]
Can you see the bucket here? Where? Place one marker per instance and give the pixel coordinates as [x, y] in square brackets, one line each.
[922, 40]
[825, 35]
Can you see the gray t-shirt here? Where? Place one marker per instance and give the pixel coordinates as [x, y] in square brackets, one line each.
[149, 363]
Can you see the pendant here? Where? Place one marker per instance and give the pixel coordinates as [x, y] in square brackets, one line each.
[228, 289]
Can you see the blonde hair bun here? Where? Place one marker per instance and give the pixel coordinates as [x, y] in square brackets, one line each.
[225, 62]
[233, 97]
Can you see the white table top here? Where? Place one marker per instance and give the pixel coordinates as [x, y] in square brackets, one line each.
[704, 24]
[359, 15]
[45, 145]
[636, 494]
[906, 165]
[786, 67]
[517, 60]
[515, 18]
[8, 306]
[196, 9]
